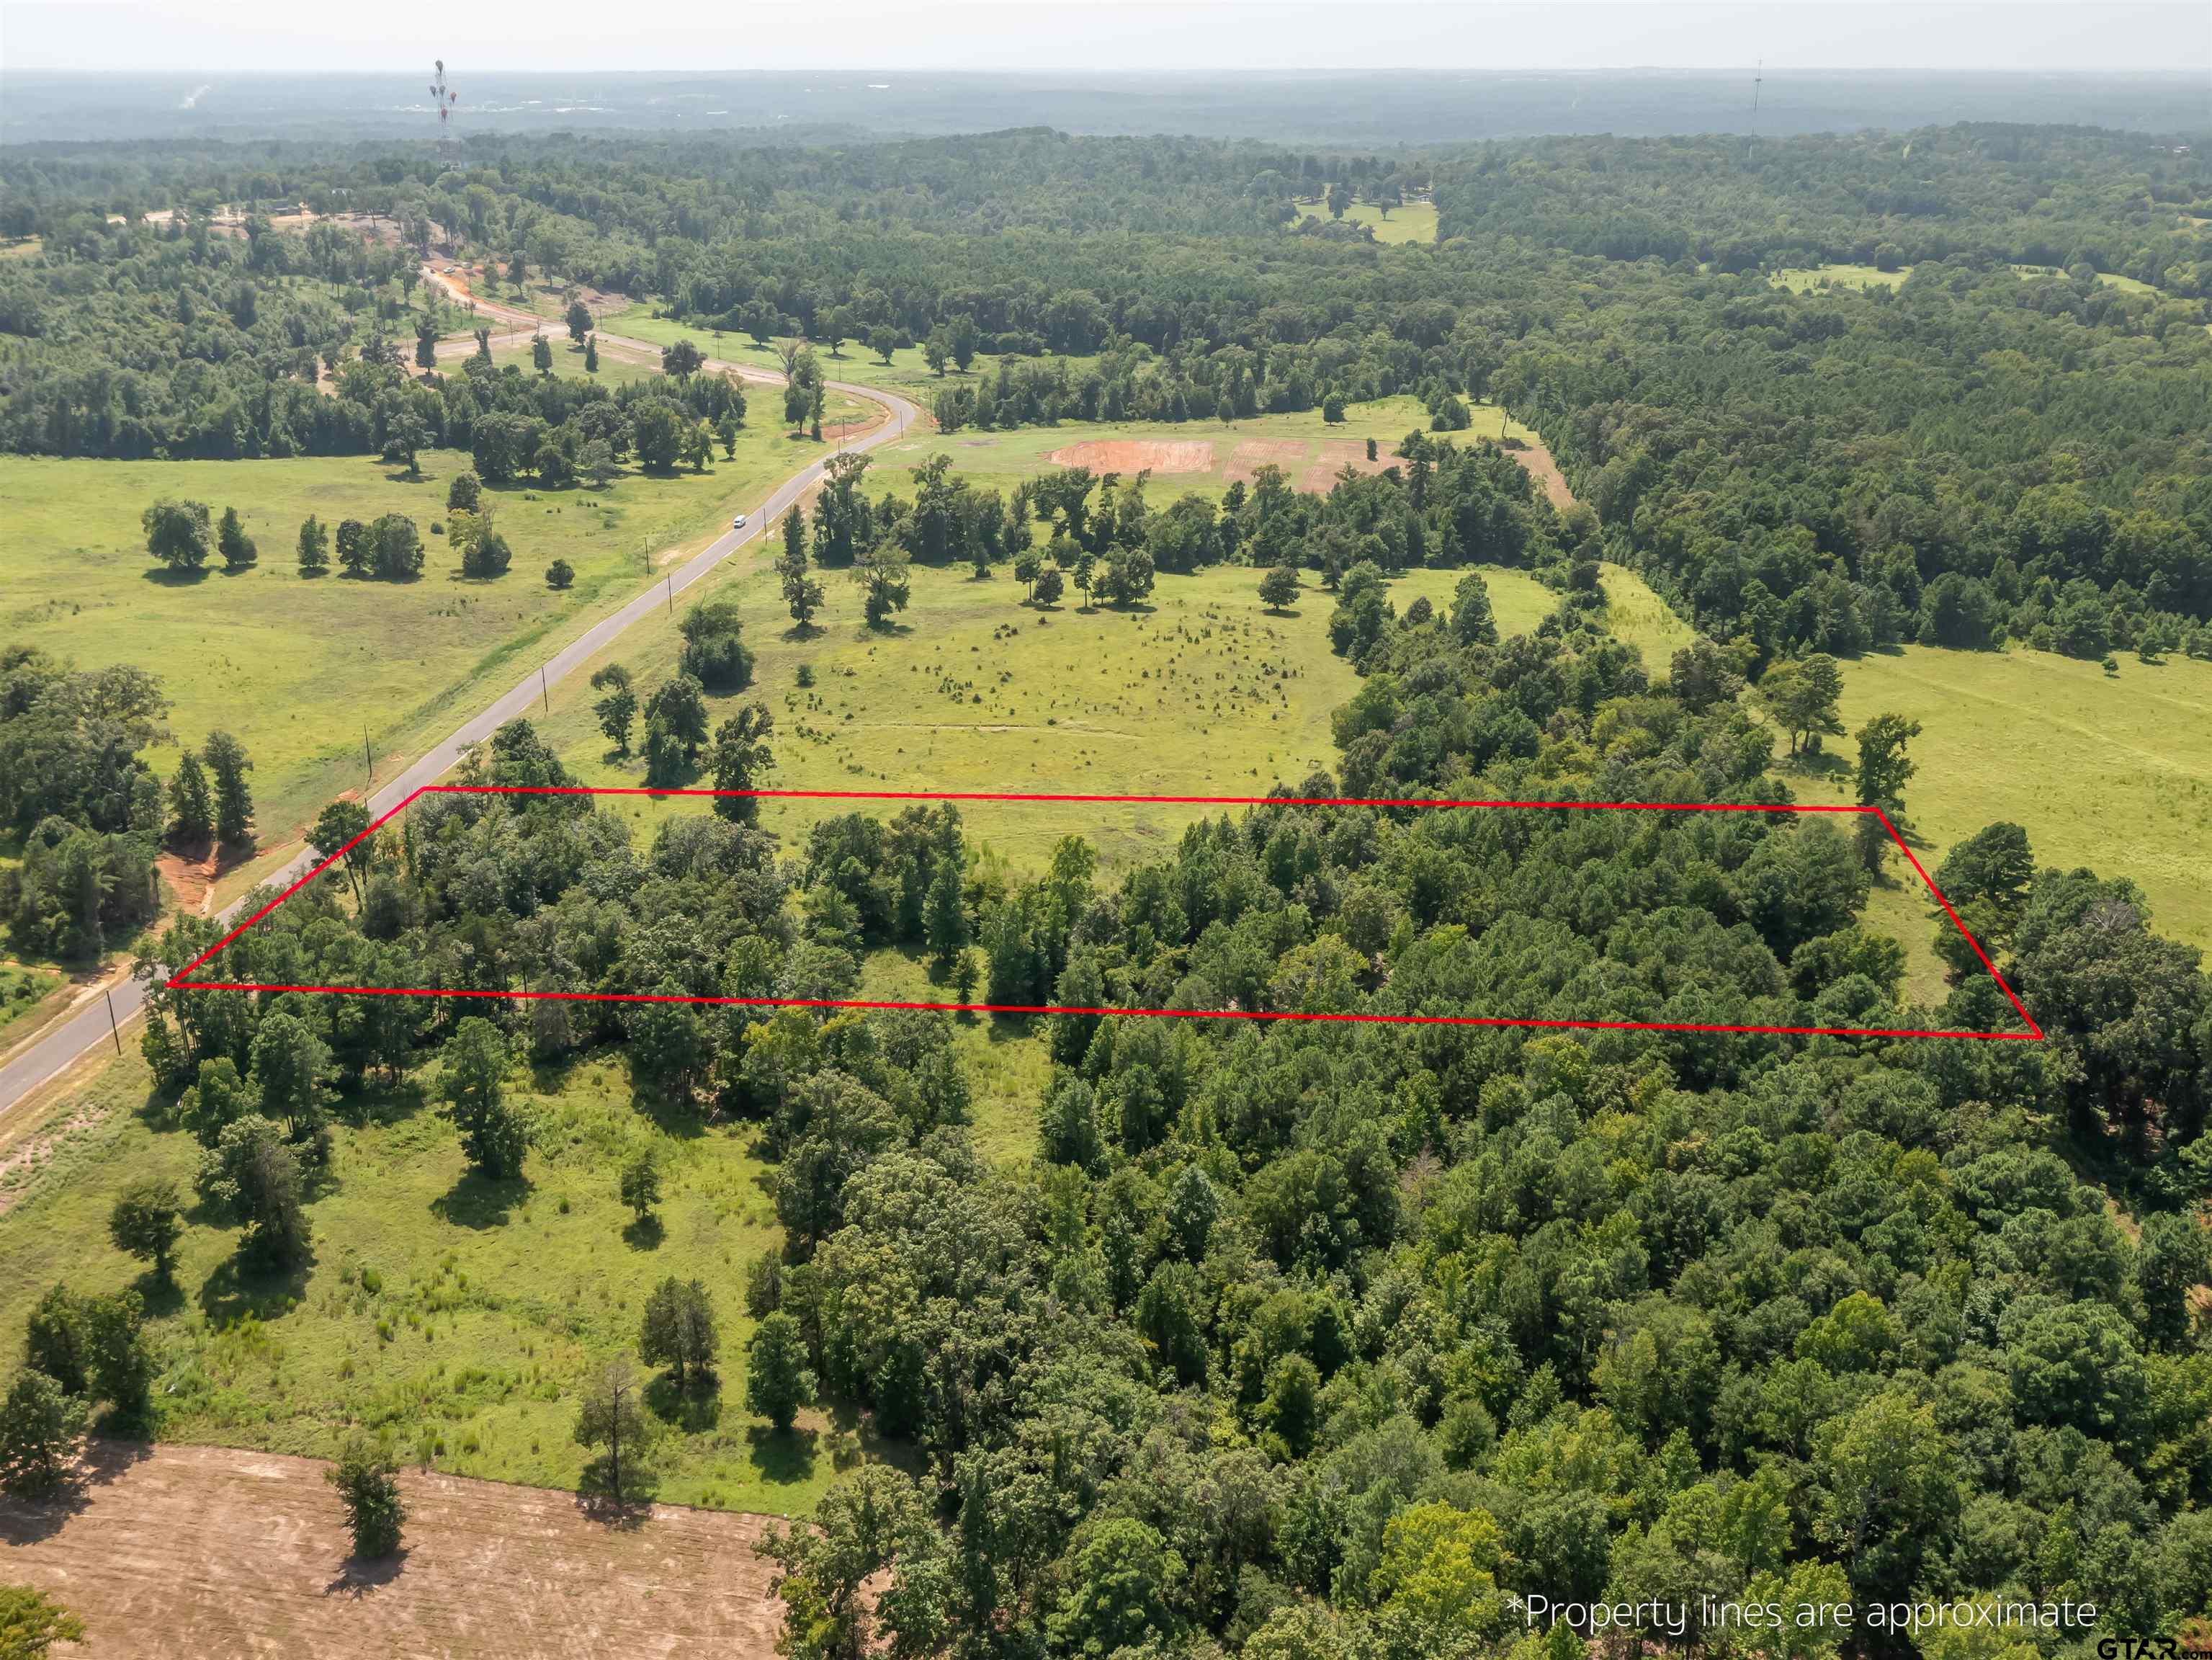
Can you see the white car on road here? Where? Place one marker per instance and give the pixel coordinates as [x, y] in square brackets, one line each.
[738, 523]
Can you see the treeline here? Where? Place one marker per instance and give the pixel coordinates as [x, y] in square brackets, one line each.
[84, 810]
[2036, 196]
[1842, 471]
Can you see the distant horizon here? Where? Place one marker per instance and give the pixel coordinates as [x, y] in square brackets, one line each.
[1121, 36]
[188, 71]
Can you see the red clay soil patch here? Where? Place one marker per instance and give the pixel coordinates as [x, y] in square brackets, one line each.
[173, 1552]
[1128, 455]
[190, 877]
[1545, 471]
[1338, 453]
[1284, 452]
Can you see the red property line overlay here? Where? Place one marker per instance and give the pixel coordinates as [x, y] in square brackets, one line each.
[2034, 1034]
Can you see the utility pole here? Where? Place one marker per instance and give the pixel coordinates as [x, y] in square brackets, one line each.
[368, 755]
[669, 582]
[544, 694]
[114, 1029]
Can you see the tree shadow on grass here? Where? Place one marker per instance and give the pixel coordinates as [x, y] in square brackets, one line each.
[102, 1461]
[233, 1290]
[783, 1456]
[477, 1201]
[357, 1578]
[162, 576]
[160, 1294]
[694, 1411]
[644, 1232]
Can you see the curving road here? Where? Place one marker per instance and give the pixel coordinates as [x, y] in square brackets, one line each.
[45, 1057]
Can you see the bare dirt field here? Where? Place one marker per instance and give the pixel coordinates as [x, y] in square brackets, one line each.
[1545, 471]
[1337, 454]
[1257, 453]
[1130, 455]
[194, 1553]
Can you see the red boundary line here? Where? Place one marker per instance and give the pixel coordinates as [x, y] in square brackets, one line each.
[2034, 1034]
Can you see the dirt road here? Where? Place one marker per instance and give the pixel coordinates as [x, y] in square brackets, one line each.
[174, 1552]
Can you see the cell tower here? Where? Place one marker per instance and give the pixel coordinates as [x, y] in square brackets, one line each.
[1758, 81]
[445, 99]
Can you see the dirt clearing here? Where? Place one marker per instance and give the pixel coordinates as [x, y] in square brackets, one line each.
[1337, 454]
[1545, 471]
[1131, 455]
[1288, 453]
[184, 1552]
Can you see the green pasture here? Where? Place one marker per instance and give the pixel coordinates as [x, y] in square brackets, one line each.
[1199, 691]
[1309, 450]
[299, 668]
[1804, 278]
[1415, 221]
[2109, 771]
[615, 370]
[461, 1317]
[908, 373]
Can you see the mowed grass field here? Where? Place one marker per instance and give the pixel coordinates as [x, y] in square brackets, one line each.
[1415, 221]
[299, 668]
[2113, 772]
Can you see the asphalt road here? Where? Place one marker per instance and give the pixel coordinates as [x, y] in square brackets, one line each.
[64, 1043]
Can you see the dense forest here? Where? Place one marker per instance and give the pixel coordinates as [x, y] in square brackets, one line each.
[1303, 1341]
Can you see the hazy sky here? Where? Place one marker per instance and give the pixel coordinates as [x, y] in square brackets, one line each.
[189, 35]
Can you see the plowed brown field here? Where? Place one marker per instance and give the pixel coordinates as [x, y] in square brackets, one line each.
[173, 1552]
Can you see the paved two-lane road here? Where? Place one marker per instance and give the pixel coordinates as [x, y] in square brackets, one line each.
[45, 1057]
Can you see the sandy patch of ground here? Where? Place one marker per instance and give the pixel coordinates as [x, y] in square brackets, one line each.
[174, 1552]
[1338, 453]
[190, 877]
[1131, 455]
[1545, 471]
[1288, 453]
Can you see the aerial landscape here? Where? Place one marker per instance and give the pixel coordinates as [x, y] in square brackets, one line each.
[1319, 863]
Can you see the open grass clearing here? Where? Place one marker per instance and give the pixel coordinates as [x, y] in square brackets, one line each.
[616, 370]
[1201, 691]
[908, 373]
[1200, 455]
[462, 1317]
[1805, 279]
[300, 669]
[2113, 772]
[1414, 222]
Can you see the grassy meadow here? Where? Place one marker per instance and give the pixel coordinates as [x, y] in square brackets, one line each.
[1201, 691]
[2109, 771]
[1415, 221]
[298, 667]
[1802, 278]
[459, 1316]
[1309, 450]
